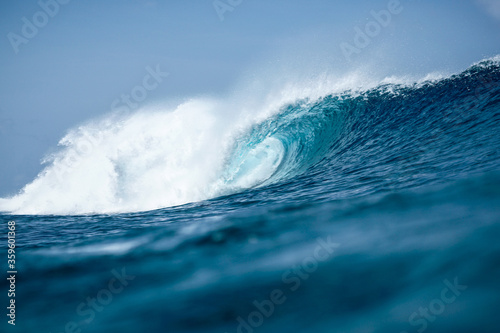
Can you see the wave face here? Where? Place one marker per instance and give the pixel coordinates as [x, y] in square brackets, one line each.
[360, 207]
[205, 149]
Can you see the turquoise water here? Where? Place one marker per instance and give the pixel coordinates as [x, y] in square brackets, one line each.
[356, 211]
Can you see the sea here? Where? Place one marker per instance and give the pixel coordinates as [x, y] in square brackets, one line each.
[322, 208]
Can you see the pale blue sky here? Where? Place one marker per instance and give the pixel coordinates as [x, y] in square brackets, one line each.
[91, 52]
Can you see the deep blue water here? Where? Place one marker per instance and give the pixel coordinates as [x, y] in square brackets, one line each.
[381, 214]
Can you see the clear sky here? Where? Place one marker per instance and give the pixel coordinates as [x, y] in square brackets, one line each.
[71, 62]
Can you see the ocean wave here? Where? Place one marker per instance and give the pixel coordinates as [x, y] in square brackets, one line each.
[205, 148]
